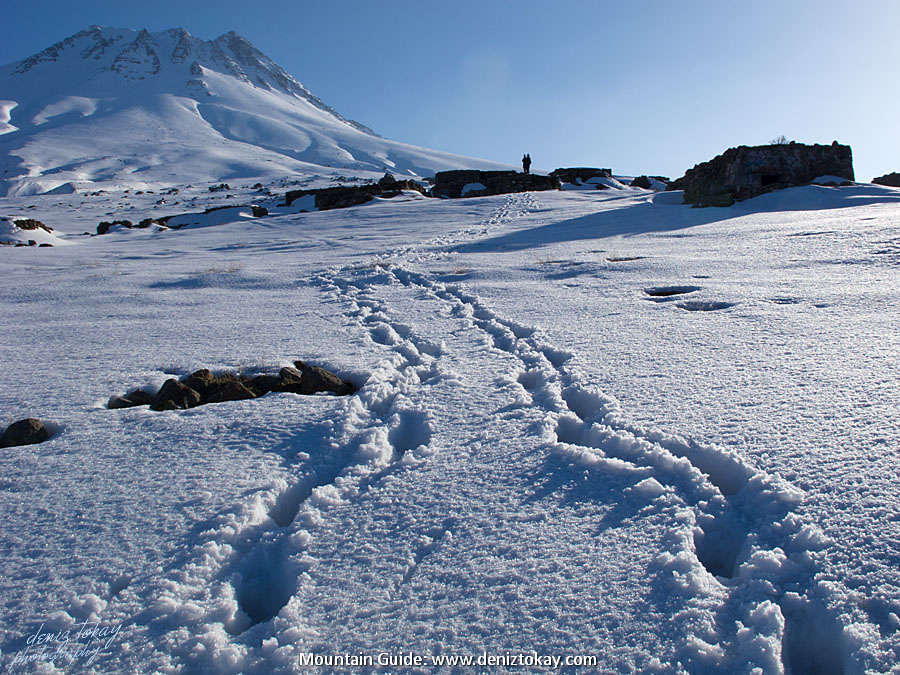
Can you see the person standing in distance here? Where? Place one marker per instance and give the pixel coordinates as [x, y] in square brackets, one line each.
[526, 163]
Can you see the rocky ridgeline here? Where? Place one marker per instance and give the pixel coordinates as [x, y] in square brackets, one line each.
[343, 196]
[888, 179]
[203, 386]
[472, 183]
[744, 172]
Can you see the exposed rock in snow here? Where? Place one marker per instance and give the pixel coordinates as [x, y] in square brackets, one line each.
[24, 432]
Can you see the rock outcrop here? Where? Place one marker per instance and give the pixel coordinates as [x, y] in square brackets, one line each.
[343, 196]
[472, 183]
[889, 179]
[24, 432]
[744, 172]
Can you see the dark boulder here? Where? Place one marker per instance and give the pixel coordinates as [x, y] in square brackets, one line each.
[744, 172]
[259, 211]
[228, 390]
[889, 179]
[24, 432]
[130, 400]
[291, 379]
[105, 227]
[174, 395]
[262, 384]
[473, 183]
[318, 379]
[201, 381]
[221, 187]
[45, 245]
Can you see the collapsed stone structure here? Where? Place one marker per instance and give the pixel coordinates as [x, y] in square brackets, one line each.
[747, 171]
[580, 174]
[344, 196]
[889, 179]
[473, 183]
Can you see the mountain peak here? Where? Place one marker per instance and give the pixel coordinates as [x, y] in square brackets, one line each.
[166, 56]
[126, 106]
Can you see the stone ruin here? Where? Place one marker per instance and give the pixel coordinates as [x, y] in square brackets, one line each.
[747, 171]
[580, 174]
[342, 197]
[888, 179]
[473, 183]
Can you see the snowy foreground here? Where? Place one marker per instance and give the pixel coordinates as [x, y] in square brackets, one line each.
[553, 450]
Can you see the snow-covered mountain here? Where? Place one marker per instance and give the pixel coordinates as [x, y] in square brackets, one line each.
[124, 107]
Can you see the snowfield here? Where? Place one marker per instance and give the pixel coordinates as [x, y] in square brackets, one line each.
[589, 423]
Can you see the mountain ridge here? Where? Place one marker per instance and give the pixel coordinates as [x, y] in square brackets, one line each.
[122, 107]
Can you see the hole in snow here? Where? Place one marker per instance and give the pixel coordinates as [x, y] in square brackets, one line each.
[813, 641]
[668, 291]
[703, 305]
[411, 431]
[718, 545]
[264, 584]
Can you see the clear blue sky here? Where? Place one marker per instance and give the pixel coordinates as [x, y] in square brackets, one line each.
[642, 87]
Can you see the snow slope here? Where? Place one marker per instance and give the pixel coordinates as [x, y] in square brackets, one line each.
[130, 109]
[590, 423]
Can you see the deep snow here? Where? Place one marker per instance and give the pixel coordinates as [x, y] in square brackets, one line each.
[590, 422]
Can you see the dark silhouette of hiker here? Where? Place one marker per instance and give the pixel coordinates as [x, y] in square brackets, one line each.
[526, 163]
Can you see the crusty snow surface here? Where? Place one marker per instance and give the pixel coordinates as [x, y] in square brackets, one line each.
[589, 422]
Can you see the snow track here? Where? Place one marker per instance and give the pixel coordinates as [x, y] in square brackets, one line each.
[742, 550]
[396, 531]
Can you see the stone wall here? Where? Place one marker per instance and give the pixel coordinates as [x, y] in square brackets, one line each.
[472, 183]
[343, 196]
[889, 179]
[745, 172]
[580, 174]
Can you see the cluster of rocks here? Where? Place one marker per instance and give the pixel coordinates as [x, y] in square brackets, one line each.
[744, 172]
[888, 179]
[343, 196]
[473, 183]
[24, 432]
[31, 224]
[105, 227]
[28, 224]
[203, 386]
[221, 187]
[31, 242]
